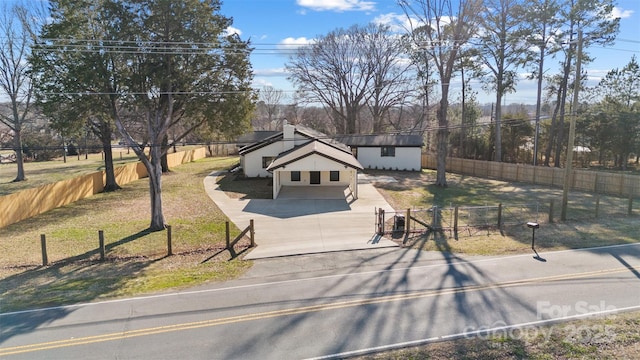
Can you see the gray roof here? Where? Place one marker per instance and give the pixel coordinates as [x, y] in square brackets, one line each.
[398, 140]
[315, 147]
[278, 135]
[255, 136]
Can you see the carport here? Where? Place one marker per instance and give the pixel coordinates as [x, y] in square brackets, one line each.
[315, 165]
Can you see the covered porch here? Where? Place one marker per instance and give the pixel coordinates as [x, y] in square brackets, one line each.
[301, 184]
[315, 165]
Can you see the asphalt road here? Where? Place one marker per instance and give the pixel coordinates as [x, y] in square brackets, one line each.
[339, 304]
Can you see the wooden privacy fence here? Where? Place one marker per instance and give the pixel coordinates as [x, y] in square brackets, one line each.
[618, 184]
[31, 202]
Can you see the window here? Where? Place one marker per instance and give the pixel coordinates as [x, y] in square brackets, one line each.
[334, 176]
[389, 151]
[295, 176]
[266, 161]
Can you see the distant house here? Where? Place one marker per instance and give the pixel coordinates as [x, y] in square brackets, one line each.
[386, 152]
[299, 156]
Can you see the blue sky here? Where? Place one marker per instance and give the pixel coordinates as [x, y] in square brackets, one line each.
[276, 25]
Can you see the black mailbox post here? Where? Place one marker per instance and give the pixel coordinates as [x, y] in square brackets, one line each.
[533, 226]
[398, 223]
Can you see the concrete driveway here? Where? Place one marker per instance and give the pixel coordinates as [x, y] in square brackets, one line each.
[323, 221]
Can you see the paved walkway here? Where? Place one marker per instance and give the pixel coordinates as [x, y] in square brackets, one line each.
[293, 226]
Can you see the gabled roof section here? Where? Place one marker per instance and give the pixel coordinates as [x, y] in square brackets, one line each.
[262, 143]
[315, 147]
[300, 130]
[255, 136]
[398, 140]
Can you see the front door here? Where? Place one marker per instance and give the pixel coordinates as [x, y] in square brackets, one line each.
[314, 177]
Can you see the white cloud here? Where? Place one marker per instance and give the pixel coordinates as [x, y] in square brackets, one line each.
[294, 43]
[270, 72]
[231, 30]
[621, 13]
[337, 5]
[398, 23]
[259, 83]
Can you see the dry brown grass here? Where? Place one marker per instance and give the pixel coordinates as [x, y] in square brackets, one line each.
[136, 259]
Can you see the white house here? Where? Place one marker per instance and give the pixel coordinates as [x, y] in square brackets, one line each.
[299, 156]
[386, 152]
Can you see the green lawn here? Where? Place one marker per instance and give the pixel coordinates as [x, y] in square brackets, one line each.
[415, 190]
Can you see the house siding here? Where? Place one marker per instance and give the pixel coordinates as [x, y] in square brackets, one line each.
[252, 161]
[406, 158]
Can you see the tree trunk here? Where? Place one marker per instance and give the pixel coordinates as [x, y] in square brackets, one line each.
[17, 147]
[352, 115]
[498, 128]
[165, 150]
[538, 102]
[442, 142]
[552, 131]
[154, 168]
[110, 184]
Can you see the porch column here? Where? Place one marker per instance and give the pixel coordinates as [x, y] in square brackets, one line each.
[354, 183]
[276, 183]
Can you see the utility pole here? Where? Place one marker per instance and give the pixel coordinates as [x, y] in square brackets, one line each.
[572, 131]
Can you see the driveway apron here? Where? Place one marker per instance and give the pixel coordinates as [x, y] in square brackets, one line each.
[294, 226]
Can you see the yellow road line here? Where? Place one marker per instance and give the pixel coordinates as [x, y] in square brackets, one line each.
[293, 311]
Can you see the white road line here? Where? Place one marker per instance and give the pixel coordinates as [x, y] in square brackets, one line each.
[195, 292]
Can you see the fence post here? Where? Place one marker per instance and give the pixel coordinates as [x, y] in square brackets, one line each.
[43, 245]
[434, 220]
[597, 206]
[169, 244]
[407, 224]
[252, 233]
[101, 244]
[551, 212]
[630, 211]
[455, 221]
[227, 234]
[380, 219]
[500, 216]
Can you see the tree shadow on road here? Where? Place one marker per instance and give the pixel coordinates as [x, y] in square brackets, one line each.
[449, 285]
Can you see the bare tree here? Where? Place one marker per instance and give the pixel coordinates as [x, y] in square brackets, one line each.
[391, 82]
[272, 99]
[441, 28]
[335, 71]
[16, 38]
